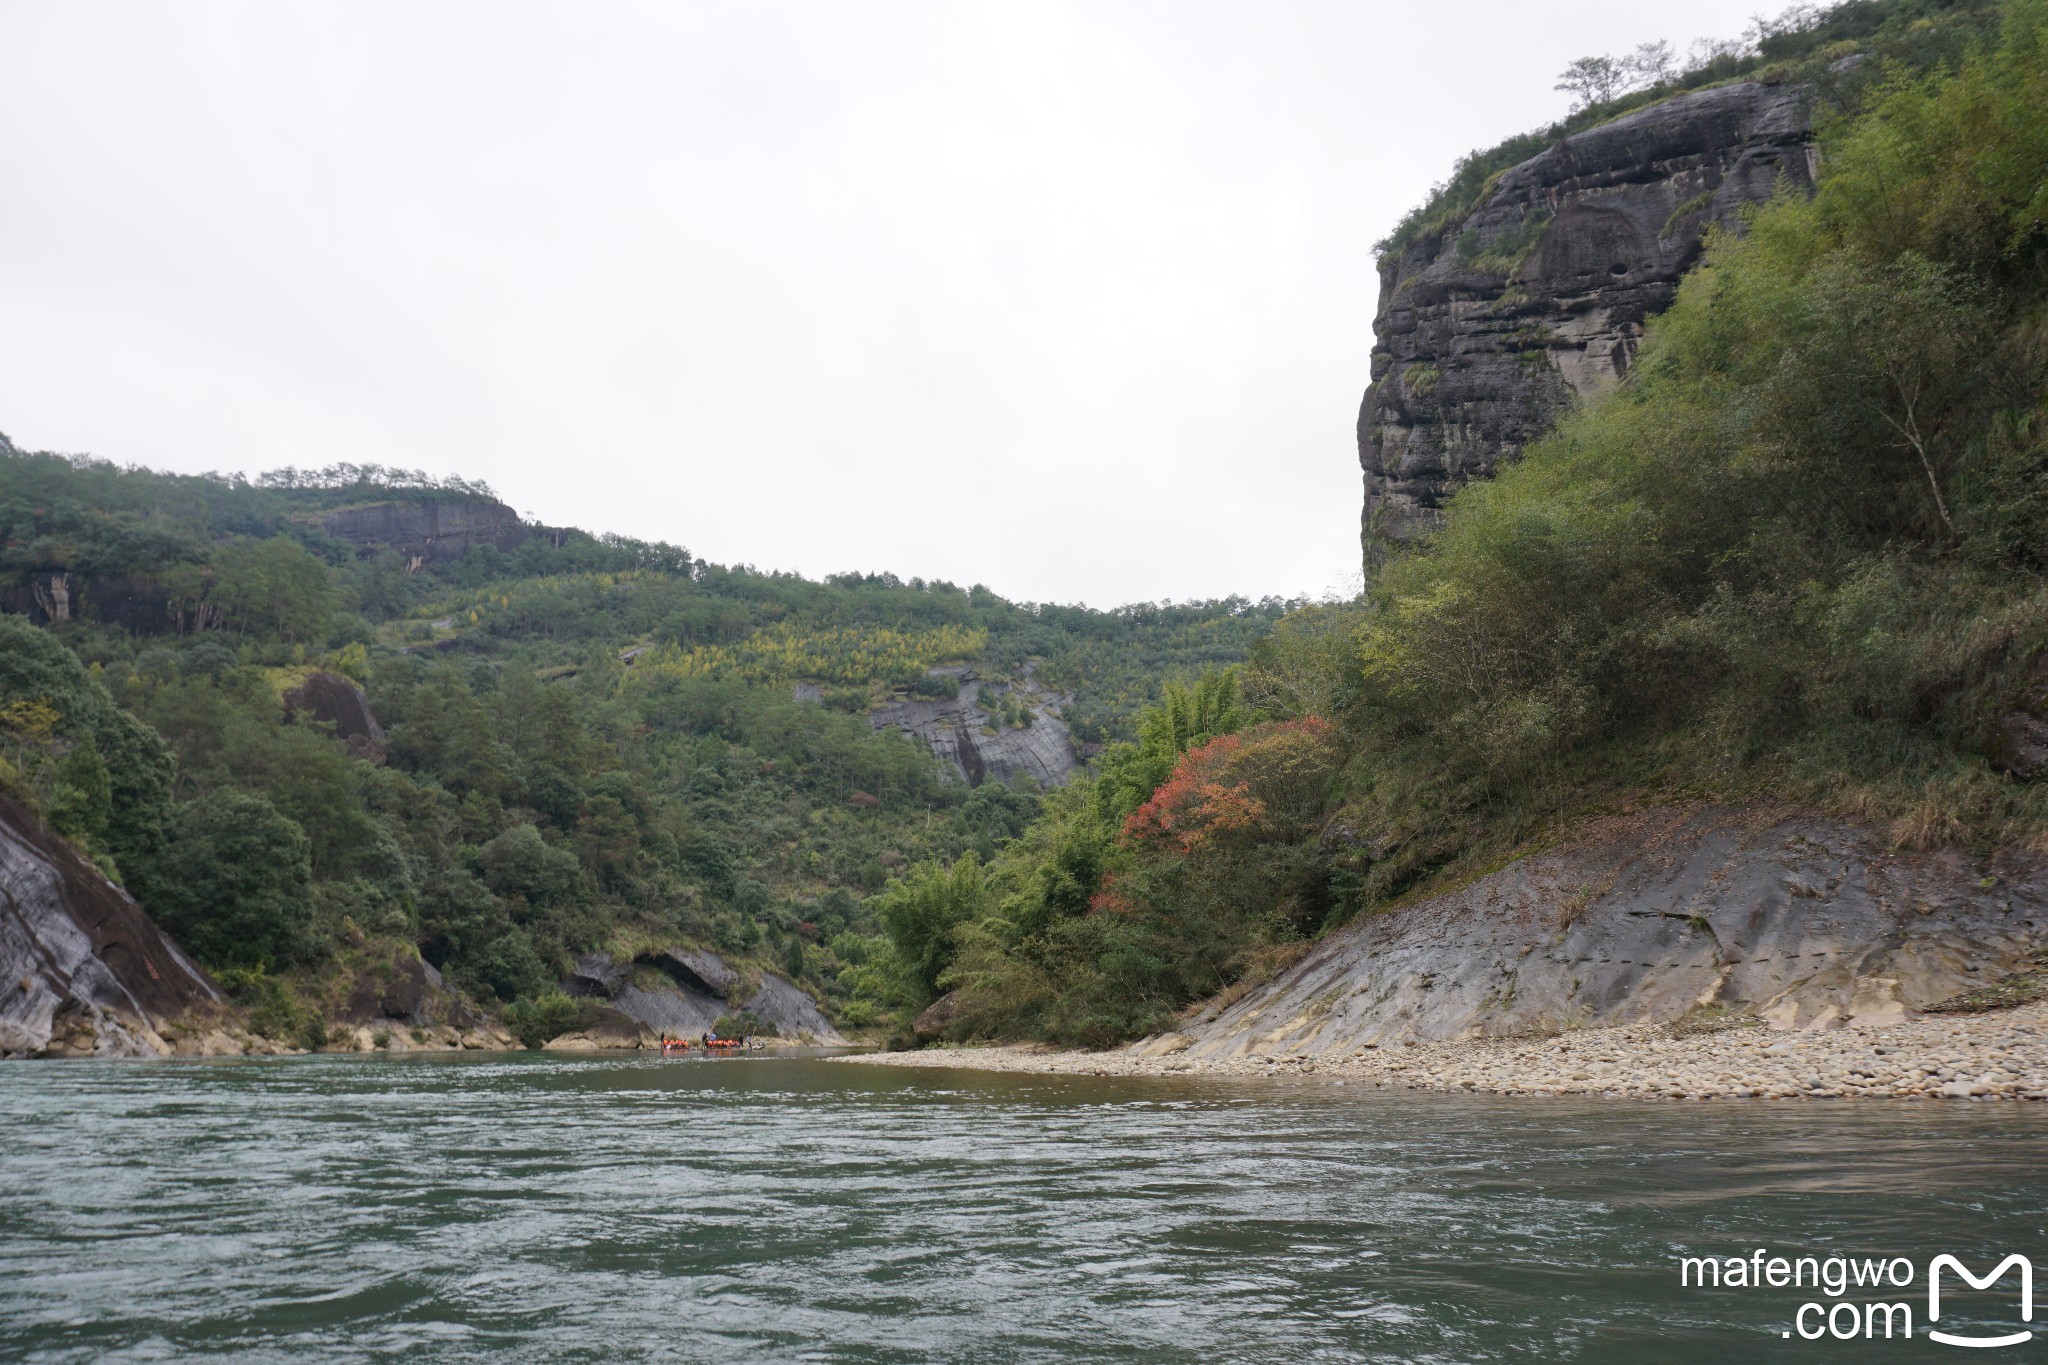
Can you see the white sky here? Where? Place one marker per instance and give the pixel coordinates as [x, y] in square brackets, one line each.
[1071, 299]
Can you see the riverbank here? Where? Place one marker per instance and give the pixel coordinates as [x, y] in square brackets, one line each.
[1999, 1055]
[218, 1033]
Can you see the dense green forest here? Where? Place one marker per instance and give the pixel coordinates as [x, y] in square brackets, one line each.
[588, 741]
[1799, 554]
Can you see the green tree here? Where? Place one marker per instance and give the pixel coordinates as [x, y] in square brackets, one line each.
[920, 912]
[519, 862]
[84, 802]
[274, 586]
[36, 667]
[232, 885]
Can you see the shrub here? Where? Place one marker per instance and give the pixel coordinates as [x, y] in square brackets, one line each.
[544, 1017]
[275, 1011]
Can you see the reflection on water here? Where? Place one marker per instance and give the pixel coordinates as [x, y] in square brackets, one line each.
[774, 1208]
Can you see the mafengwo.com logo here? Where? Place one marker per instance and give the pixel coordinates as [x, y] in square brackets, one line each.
[1872, 1298]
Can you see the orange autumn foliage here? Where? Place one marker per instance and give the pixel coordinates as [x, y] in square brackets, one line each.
[1265, 783]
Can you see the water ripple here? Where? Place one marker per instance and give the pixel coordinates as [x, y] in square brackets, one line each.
[600, 1209]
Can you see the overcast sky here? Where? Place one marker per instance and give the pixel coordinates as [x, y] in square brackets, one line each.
[1071, 299]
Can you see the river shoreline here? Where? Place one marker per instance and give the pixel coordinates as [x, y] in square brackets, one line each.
[2000, 1055]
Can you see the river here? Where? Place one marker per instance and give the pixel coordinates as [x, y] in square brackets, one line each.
[604, 1208]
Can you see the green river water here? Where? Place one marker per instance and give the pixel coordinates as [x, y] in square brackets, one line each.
[541, 1207]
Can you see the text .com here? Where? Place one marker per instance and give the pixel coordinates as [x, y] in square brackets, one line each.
[1876, 1310]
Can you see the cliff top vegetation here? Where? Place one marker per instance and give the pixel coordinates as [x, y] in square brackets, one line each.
[1800, 44]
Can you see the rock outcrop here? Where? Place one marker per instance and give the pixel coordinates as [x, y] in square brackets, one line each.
[334, 700]
[55, 594]
[684, 991]
[1799, 919]
[427, 531]
[974, 739]
[82, 969]
[1489, 328]
[401, 990]
[611, 1031]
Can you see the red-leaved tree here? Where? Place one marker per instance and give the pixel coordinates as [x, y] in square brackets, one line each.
[1264, 784]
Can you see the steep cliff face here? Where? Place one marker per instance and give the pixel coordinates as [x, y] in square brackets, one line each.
[1491, 327]
[1802, 920]
[126, 600]
[432, 531]
[960, 731]
[82, 969]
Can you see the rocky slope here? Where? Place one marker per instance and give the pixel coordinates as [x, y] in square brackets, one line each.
[683, 991]
[960, 731]
[1795, 919]
[1490, 327]
[83, 971]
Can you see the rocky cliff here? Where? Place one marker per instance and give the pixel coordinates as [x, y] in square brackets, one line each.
[973, 739]
[1799, 919]
[83, 971]
[1490, 327]
[429, 531]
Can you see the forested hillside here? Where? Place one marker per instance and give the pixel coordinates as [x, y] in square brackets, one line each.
[1798, 553]
[501, 744]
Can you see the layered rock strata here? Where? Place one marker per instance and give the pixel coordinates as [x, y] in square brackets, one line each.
[429, 531]
[82, 968]
[1491, 327]
[1794, 919]
[683, 991]
[975, 740]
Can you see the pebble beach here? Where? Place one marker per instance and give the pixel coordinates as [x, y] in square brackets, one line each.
[1994, 1056]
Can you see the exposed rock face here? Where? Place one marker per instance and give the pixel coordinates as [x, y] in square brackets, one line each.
[1803, 920]
[431, 531]
[790, 1011]
[1489, 329]
[404, 990]
[596, 974]
[79, 960]
[333, 699]
[45, 595]
[611, 1030]
[684, 991]
[957, 728]
[937, 1017]
[697, 970]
